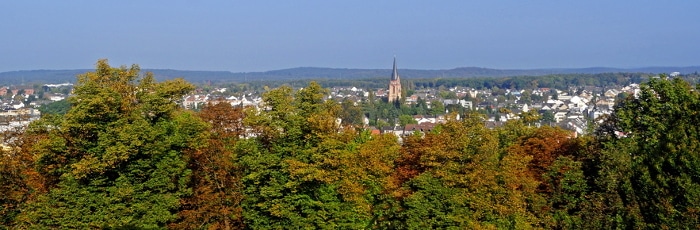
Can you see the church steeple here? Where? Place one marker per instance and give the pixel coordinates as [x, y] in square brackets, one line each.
[394, 85]
[394, 73]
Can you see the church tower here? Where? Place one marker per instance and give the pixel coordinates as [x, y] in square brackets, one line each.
[394, 85]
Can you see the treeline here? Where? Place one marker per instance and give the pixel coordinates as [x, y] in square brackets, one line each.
[260, 86]
[557, 81]
[126, 156]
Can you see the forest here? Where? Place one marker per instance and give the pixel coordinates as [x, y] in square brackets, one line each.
[127, 156]
[558, 81]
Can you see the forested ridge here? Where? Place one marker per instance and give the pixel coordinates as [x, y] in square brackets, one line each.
[346, 76]
[126, 156]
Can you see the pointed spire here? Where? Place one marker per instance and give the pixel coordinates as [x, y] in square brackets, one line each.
[394, 73]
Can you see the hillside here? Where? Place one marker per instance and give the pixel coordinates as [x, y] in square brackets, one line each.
[54, 76]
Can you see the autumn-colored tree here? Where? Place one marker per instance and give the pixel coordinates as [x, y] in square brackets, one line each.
[555, 165]
[14, 190]
[215, 183]
[20, 181]
[461, 180]
[125, 155]
[544, 145]
[408, 165]
[365, 166]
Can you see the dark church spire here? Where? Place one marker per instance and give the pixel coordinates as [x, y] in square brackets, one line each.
[394, 73]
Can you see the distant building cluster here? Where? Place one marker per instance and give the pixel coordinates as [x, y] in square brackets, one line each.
[571, 108]
[18, 104]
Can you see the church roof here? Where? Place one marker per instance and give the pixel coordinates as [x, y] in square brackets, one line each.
[394, 73]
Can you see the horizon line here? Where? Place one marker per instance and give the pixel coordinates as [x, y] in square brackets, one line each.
[346, 68]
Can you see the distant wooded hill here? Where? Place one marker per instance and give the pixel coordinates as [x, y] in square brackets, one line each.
[54, 76]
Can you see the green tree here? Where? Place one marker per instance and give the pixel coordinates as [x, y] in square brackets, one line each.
[547, 116]
[444, 94]
[116, 158]
[436, 108]
[58, 108]
[526, 97]
[407, 119]
[656, 133]
[349, 113]
[568, 195]
[289, 168]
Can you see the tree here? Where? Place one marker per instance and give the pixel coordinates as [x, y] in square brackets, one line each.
[529, 117]
[406, 119]
[364, 170]
[655, 136]
[19, 181]
[421, 106]
[349, 113]
[526, 97]
[562, 186]
[216, 186]
[445, 94]
[544, 145]
[455, 177]
[116, 158]
[547, 116]
[59, 107]
[436, 108]
[290, 168]
[555, 94]
[569, 195]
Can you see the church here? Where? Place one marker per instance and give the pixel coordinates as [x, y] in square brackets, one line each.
[394, 85]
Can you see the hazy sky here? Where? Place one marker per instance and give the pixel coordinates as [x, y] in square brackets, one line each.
[267, 35]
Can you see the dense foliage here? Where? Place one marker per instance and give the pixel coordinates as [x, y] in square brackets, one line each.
[56, 108]
[125, 155]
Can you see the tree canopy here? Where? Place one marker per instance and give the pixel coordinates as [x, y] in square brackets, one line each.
[116, 157]
[126, 155]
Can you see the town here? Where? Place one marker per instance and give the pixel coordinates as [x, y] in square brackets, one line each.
[414, 109]
[294, 115]
[572, 108]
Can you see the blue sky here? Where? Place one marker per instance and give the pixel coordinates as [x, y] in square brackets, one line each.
[268, 35]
